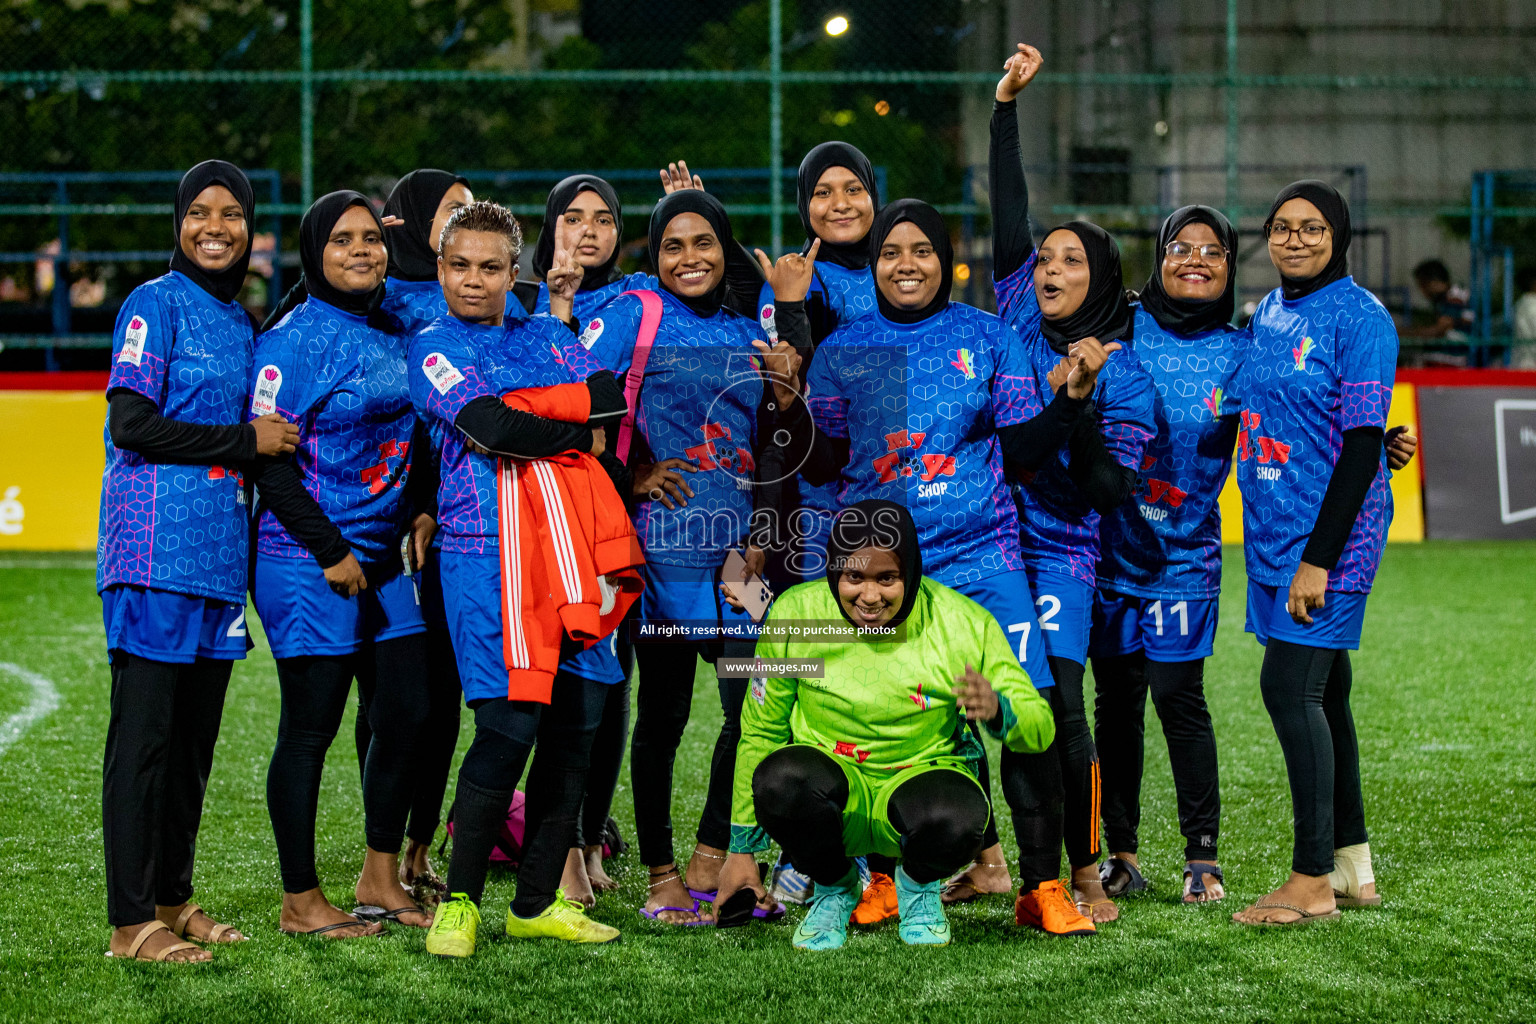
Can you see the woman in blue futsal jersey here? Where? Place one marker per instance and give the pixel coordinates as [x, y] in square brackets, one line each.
[920, 403]
[1155, 611]
[1315, 390]
[697, 414]
[460, 367]
[1066, 295]
[172, 557]
[334, 597]
[414, 214]
[582, 217]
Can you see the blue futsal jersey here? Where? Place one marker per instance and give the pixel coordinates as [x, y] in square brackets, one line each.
[699, 401]
[1166, 542]
[920, 405]
[414, 303]
[1317, 367]
[172, 527]
[344, 383]
[451, 363]
[586, 304]
[1061, 530]
[837, 296]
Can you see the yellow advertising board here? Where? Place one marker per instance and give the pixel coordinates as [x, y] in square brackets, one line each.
[50, 472]
[1407, 489]
[50, 469]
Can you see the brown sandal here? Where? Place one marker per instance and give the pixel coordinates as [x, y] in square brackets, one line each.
[215, 934]
[160, 957]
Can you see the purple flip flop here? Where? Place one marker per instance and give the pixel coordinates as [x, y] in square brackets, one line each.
[654, 915]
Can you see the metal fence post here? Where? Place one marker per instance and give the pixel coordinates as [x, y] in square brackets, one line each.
[61, 324]
[776, 123]
[307, 99]
[1232, 113]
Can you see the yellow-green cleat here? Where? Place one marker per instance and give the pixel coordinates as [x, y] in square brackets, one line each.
[563, 919]
[454, 926]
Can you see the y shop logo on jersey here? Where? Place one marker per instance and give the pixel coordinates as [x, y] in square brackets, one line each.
[1272, 454]
[442, 374]
[134, 336]
[1160, 493]
[268, 382]
[898, 463]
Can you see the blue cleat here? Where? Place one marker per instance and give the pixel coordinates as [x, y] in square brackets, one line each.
[922, 911]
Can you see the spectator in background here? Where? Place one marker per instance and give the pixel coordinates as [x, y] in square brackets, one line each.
[1523, 354]
[1452, 317]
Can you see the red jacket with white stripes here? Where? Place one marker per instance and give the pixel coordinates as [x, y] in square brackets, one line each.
[570, 560]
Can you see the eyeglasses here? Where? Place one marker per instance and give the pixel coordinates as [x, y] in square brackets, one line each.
[1182, 252]
[1311, 234]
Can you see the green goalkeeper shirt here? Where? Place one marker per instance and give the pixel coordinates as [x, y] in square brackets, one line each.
[883, 704]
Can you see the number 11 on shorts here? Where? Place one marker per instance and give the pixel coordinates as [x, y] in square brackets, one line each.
[1181, 610]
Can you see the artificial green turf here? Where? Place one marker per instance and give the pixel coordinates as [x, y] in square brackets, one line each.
[1447, 722]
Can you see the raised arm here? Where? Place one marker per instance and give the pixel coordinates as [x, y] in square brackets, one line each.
[1008, 191]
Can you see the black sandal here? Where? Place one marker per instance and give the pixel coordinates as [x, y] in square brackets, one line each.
[1195, 872]
[367, 913]
[1120, 876]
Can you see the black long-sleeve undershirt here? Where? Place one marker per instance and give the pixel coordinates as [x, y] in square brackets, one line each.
[518, 434]
[1359, 462]
[1029, 445]
[1102, 481]
[1007, 193]
[280, 488]
[136, 425]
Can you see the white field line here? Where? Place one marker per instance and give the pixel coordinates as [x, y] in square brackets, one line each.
[45, 700]
[44, 563]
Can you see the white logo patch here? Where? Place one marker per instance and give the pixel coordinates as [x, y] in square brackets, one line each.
[592, 333]
[766, 321]
[268, 382]
[443, 374]
[133, 341]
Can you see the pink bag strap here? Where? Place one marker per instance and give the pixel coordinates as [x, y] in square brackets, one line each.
[650, 322]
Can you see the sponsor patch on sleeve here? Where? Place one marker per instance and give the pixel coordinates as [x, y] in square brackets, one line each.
[765, 320]
[268, 382]
[442, 373]
[592, 333]
[133, 341]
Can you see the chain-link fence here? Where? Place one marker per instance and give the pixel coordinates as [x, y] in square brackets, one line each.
[1144, 105]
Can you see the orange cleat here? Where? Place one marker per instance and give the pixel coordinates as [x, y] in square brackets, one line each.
[878, 901]
[1050, 909]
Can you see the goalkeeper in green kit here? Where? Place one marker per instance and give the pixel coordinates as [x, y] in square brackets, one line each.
[875, 756]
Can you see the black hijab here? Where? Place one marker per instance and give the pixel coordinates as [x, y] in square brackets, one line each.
[876, 522]
[853, 255]
[1336, 212]
[415, 199]
[314, 231]
[224, 284]
[560, 198]
[1104, 314]
[1186, 316]
[691, 200]
[928, 221]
